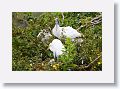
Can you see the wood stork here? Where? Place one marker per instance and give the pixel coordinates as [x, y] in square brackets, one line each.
[45, 37]
[56, 47]
[64, 31]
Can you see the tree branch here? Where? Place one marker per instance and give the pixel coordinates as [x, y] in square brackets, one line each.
[96, 20]
[89, 65]
[63, 16]
[93, 22]
[96, 59]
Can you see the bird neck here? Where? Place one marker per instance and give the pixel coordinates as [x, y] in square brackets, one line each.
[57, 26]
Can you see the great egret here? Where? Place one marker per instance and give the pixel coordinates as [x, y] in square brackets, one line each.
[56, 47]
[65, 31]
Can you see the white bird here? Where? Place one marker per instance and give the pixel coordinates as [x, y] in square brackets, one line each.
[56, 47]
[64, 31]
[44, 35]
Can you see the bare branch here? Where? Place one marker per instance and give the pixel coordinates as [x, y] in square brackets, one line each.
[89, 65]
[96, 59]
[62, 17]
[94, 21]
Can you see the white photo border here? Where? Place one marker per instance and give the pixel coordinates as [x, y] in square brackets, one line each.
[104, 76]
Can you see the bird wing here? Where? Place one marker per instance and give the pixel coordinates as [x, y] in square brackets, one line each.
[70, 32]
[57, 48]
[56, 45]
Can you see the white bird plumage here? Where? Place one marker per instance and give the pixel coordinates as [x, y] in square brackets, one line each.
[64, 31]
[44, 35]
[56, 47]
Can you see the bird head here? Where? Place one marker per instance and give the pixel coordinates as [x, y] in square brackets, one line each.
[56, 21]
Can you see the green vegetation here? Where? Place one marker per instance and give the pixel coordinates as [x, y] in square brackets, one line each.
[30, 53]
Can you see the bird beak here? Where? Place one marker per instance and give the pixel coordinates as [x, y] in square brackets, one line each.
[56, 21]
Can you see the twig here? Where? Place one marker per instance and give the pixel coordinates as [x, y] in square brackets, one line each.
[96, 18]
[62, 17]
[94, 21]
[96, 59]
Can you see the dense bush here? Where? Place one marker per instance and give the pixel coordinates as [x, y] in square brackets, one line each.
[32, 54]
